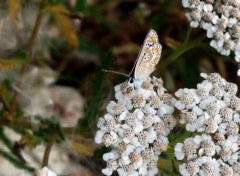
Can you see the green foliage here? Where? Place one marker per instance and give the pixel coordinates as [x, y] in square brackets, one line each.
[97, 89]
[80, 6]
[49, 127]
[5, 139]
[93, 10]
[14, 160]
[156, 21]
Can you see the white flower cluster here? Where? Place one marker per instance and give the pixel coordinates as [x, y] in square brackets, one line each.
[220, 18]
[136, 127]
[213, 110]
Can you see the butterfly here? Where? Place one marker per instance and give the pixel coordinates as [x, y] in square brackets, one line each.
[147, 59]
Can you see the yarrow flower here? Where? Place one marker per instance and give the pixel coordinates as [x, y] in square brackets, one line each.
[220, 19]
[136, 127]
[214, 112]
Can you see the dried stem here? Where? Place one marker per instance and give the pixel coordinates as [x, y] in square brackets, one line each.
[36, 29]
[48, 150]
[30, 49]
[5, 105]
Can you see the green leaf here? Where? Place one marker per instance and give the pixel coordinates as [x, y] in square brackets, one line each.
[49, 126]
[97, 14]
[15, 161]
[5, 139]
[80, 6]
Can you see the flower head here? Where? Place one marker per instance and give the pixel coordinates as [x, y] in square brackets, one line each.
[136, 126]
[216, 117]
[220, 20]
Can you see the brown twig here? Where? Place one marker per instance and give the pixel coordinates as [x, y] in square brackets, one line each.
[48, 150]
[36, 28]
[29, 50]
[5, 105]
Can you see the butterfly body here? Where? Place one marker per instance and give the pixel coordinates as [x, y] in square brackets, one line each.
[148, 58]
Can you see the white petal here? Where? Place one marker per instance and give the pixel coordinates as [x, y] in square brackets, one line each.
[108, 156]
[98, 137]
[107, 171]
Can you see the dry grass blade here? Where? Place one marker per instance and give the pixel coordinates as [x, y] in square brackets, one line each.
[65, 24]
[6, 64]
[84, 149]
[14, 6]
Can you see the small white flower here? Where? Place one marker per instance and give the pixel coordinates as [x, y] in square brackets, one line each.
[225, 169]
[236, 118]
[149, 109]
[187, 3]
[108, 156]
[205, 102]
[108, 123]
[107, 171]
[186, 149]
[165, 109]
[178, 151]
[189, 169]
[206, 26]
[48, 172]
[211, 30]
[238, 72]
[152, 135]
[208, 7]
[187, 99]
[197, 126]
[207, 146]
[146, 93]
[208, 166]
[232, 143]
[232, 22]
[98, 136]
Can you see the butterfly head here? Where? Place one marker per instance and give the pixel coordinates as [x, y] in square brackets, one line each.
[131, 79]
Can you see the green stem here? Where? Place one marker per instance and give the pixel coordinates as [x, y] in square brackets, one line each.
[187, 36]
[183, 49]
[176, 54]
[15, 161]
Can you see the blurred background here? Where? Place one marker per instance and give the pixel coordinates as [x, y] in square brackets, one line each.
[53, 89]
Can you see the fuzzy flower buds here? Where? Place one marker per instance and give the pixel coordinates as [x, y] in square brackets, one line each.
[136, 127]
[213, 110]
[220, 19]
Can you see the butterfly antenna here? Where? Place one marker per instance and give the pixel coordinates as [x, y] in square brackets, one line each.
[115, 72]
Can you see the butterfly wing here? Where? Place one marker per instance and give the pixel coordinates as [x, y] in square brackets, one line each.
[148, 62]
[148, 57]
[150, 40]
